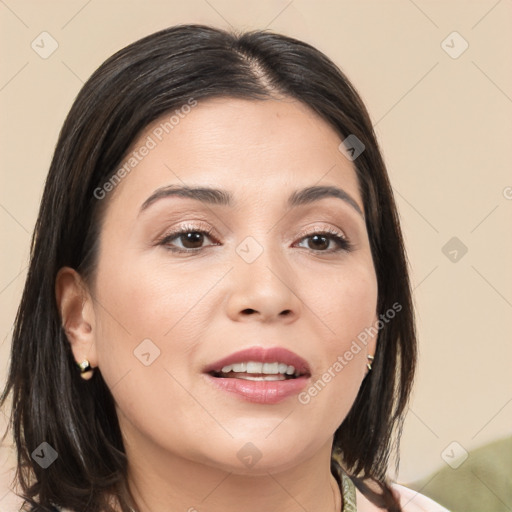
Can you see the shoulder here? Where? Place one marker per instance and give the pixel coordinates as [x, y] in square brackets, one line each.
[410, 501]
[413, 501]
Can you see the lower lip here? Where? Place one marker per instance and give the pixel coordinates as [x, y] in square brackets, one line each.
[261, 391]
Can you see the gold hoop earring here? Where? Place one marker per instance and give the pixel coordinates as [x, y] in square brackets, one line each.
[370, 361]
[86, 370]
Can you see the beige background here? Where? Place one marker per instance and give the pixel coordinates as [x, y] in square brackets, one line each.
[445, 126]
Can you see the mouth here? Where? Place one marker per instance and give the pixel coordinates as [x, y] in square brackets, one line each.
[260, 363]
[260, 375]
[257, 371]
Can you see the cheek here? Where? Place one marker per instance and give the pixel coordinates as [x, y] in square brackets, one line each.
[348, 302]
[146, 329]
[348, 305]
[145, 308]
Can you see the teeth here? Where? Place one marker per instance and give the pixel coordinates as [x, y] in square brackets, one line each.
[253, 367]
[271, 368]
[275, 368]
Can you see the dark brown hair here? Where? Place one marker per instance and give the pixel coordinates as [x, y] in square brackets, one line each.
[137, 85]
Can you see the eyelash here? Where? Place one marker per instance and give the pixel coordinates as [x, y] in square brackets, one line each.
[343, 243]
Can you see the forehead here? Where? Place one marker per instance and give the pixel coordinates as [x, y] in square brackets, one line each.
[256, 147]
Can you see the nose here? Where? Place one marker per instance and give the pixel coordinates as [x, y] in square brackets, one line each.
[263, 289]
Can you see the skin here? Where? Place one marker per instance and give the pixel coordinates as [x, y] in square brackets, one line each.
[181, 434]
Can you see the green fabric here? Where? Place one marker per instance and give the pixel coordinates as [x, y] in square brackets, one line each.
[482, 483]
[349, 494]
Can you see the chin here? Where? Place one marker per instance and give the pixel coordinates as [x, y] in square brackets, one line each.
[258, 458]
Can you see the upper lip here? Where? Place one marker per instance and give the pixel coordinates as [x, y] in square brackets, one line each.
[263, 355]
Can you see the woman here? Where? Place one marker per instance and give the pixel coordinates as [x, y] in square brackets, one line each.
[217, 309]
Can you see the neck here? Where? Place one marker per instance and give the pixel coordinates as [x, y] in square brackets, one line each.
[161, 481]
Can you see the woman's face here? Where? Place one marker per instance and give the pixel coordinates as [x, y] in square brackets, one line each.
[250, 275]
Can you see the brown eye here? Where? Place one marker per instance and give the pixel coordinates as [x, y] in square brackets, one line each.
[189, 240]
[320, 241]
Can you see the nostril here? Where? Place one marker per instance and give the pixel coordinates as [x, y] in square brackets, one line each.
[249, 311]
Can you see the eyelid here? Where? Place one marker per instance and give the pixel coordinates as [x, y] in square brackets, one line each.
[329, 229]
[185, 228]
[211, 231]
[337, 235]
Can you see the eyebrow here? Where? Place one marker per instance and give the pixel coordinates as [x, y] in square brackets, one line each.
[220, 197]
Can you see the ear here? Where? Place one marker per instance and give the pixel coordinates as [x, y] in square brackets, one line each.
[76, 311]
